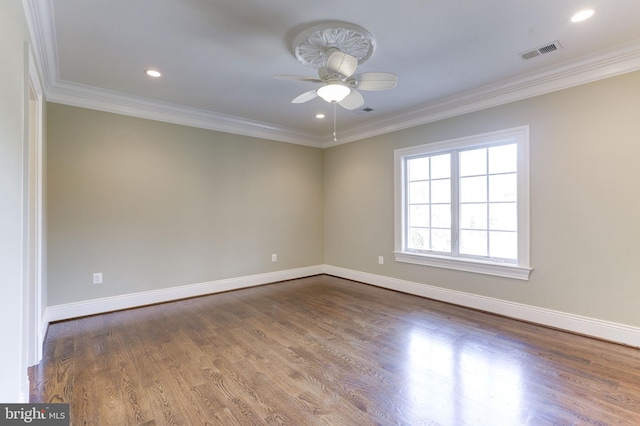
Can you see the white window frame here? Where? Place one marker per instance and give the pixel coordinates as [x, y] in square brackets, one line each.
[520, 270]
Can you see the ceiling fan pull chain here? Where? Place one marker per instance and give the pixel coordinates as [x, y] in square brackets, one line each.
[335, 112]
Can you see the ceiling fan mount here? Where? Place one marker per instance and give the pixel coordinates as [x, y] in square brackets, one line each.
[335, 50]
[313, 46]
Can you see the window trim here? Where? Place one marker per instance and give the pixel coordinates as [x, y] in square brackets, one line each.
[522, 269]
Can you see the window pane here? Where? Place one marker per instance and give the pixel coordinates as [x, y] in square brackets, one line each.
[441, 166]
[441, 216]
[441, 240]
[503, 217]
[418, 168]
[473, 243]
[503, 159]
[418, 192]
[504, 245]
[503, 187]
[419, 215]
[473, 189]
[473, 162]
[473, 216]
[441, 191]
[418, 239]
[462, 203]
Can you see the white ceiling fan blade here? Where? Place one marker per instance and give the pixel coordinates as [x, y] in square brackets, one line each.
[352, 101]
[297, 78]
[374, 81]
[342, 63]
[305, 97]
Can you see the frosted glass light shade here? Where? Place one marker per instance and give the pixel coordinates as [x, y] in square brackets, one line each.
[333, 92]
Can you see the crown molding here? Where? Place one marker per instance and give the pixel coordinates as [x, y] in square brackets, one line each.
[38, 15]
[610, 63]
[597, 66]
[84, 96]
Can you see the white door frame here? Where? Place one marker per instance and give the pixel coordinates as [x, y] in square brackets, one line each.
[33, 193]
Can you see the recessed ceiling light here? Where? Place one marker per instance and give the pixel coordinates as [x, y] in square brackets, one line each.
[152, 73]
[320, 116]
[582, 15]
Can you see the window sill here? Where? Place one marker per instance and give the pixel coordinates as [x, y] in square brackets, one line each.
[500, 270]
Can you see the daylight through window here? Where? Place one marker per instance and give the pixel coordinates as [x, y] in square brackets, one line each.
[463, 204]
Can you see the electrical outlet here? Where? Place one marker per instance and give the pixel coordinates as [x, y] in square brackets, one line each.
[97, 278]
[380, 260]
[274, 257]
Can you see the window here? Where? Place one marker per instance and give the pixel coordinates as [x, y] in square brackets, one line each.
[464, 204]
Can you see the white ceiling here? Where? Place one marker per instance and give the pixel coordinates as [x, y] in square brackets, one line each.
[218, 58]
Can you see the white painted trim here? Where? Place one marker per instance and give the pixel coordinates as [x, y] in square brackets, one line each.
[597, 66]
[506, 270]
[593, 327]
[39, 17]
[520, 271]
[27, 279]
[36, 341]
[79, 95]
[133, 300]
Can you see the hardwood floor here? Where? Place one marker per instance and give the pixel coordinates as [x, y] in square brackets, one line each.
[327, 351]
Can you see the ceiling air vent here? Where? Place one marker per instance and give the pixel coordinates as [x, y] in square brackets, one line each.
[547, 48]
[363, 110]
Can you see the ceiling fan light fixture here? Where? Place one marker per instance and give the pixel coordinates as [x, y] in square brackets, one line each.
[333, 92]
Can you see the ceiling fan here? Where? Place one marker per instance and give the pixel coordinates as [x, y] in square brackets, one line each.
[339, 84]
[336, 49]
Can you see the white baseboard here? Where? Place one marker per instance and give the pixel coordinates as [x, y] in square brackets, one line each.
[606, 330]
[133, 300]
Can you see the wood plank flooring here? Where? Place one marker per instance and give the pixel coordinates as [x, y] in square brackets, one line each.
[327, 351]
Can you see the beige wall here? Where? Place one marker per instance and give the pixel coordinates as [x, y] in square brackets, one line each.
[153, 205]
[585, 201]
